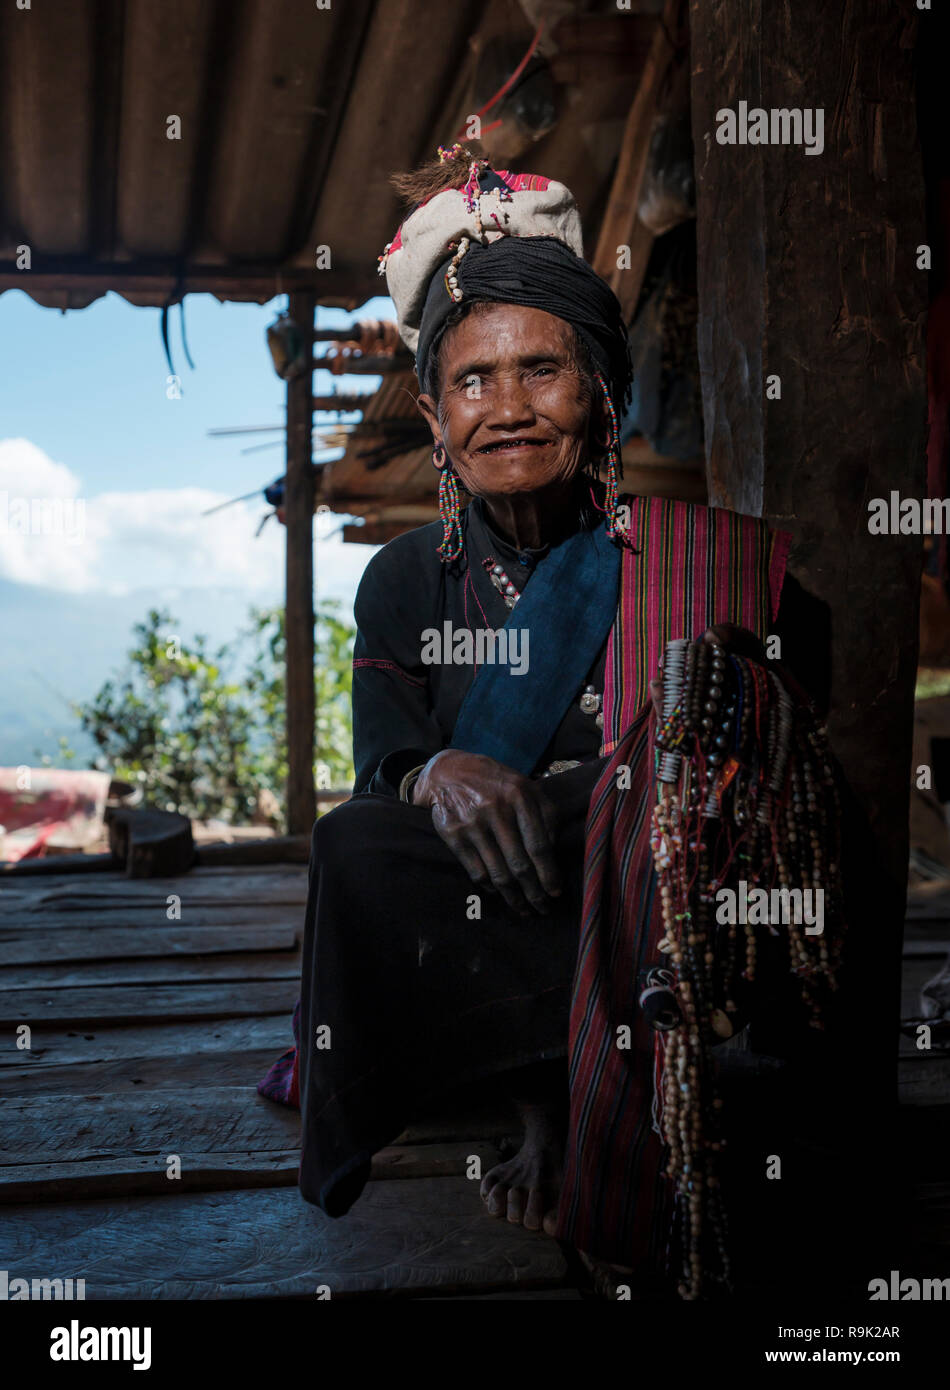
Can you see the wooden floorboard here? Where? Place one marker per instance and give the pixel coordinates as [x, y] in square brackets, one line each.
[53, 1046]
[461, 1117]
[149, 1036]
[118, 916]
[924, 1079]
[401, 1161]
[928, 906]
[45, 1129]
[526, 1296]
[135, 1174]
[78, 1128]
[44, 945]
[197, 1071]
[220, 1170]
[932, 1226]
[401, 1238]
[915, 974]
[925, 1140]
[181, 969]
[935, 948]
[133, 1003]
[280, 884]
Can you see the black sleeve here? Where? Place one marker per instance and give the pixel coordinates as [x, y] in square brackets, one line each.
[394, 729]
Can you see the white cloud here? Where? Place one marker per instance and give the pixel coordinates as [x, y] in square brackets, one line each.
[53, 537]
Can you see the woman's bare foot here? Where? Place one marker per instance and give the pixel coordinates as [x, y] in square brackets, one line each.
[525, 1189]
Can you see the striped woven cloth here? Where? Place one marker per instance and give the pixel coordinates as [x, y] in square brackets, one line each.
[689, 567]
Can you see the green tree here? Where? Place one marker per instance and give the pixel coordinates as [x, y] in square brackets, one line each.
[204, 732]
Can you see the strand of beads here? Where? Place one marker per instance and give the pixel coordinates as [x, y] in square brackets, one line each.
[451, 273]
[690, 1105]
[745, 791]
[674, 671]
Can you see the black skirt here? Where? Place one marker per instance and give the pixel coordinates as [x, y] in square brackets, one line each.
[415, 982]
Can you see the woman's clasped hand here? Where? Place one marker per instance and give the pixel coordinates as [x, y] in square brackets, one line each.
[498, 824]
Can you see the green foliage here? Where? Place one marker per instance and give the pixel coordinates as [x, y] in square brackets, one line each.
[64, 754]
[931, 683]
[205, 741]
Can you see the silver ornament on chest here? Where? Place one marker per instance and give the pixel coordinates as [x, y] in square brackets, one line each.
[590, 701]
[504, 586]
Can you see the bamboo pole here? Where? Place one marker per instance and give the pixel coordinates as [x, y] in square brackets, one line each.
[298, 505]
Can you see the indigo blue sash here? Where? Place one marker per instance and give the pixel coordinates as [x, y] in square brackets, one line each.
[567, 611]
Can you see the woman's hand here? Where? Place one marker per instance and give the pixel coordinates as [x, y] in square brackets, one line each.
[496, 823]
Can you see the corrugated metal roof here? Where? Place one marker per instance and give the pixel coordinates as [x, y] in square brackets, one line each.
[292, 119]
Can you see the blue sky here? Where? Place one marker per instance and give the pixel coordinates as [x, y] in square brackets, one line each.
[85, 421]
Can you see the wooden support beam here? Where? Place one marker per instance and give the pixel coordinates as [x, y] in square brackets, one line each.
[372, 364]
[153, 281]
[808, 284]
[354, 401]
[350, 334]
[807, 273]
[596, 48]
[621, 225]
[298, 510]
[379, 532]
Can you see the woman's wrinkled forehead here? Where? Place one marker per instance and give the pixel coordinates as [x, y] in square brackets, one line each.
[504, 330]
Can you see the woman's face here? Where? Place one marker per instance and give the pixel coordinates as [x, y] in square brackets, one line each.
[514, 408]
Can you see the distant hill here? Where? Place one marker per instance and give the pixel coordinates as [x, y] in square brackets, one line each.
[56, 648]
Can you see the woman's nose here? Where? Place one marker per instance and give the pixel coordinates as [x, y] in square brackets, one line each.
[511, 402]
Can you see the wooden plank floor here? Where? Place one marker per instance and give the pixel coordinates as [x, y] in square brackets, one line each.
[154, 1008]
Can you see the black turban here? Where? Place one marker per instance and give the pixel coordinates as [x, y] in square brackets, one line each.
[540, 273]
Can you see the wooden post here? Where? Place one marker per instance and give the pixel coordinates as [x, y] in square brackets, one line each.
[811, 321]
[807, 274]
[298, 508]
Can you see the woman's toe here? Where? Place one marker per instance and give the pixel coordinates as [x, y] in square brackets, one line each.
[534, 1211]
[516, 1196]
[497, 1199]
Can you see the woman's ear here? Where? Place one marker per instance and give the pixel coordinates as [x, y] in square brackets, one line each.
[429, 408]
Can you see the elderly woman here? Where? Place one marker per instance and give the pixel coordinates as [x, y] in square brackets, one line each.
[454, 930]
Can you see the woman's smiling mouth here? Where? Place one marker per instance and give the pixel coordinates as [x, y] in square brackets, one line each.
[510, 445]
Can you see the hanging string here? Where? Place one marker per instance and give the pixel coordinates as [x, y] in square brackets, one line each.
[506, 86]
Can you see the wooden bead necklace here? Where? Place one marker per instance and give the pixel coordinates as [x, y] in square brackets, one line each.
[745, 791]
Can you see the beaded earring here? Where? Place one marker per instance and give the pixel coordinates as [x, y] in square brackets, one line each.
[611, 507]
[449, 509]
